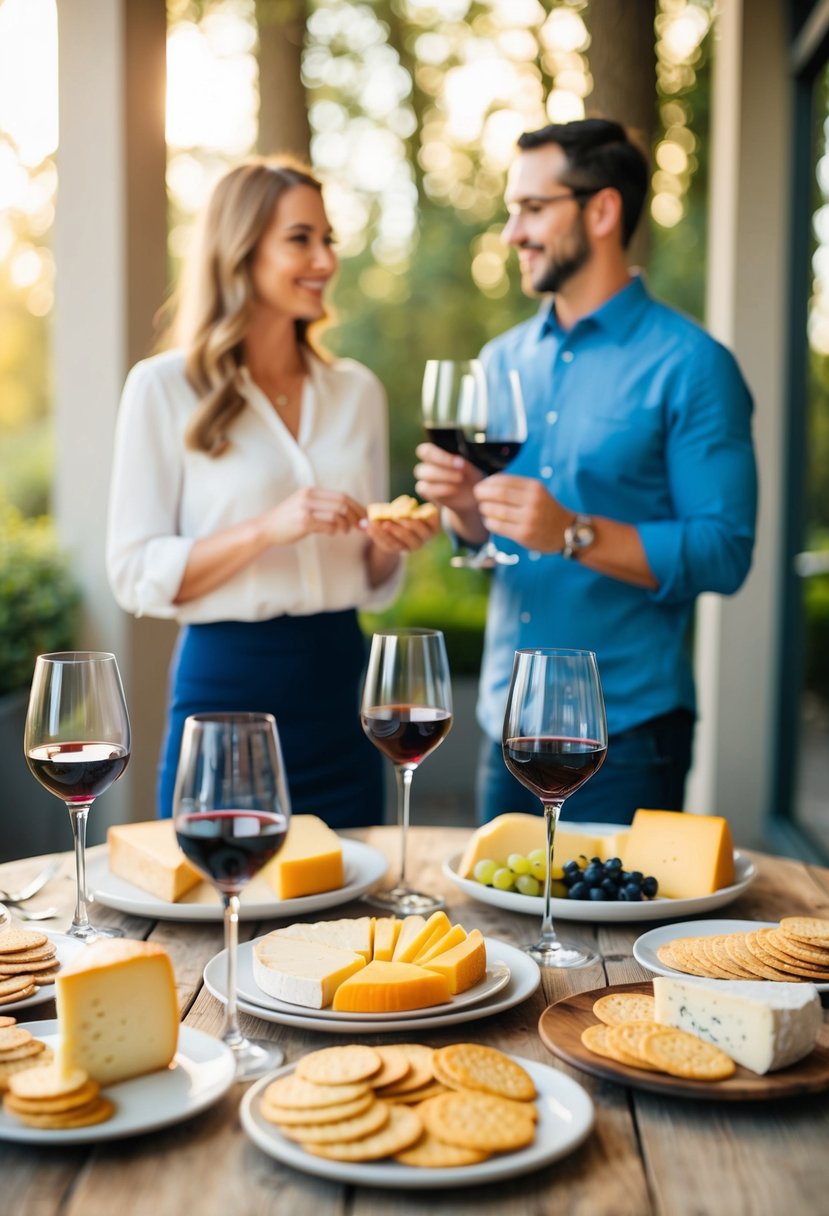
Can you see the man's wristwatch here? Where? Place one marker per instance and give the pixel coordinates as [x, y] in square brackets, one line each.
[578, 536]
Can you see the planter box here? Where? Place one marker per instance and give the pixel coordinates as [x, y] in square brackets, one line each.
[31, 820]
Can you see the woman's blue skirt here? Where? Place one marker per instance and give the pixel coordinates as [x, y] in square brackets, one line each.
[307, 672]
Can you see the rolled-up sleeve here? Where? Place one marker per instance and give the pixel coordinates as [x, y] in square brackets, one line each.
[712, 479]
[146, 557]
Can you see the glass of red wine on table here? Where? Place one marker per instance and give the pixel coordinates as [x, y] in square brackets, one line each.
[554, 739]
[231, 815]
[406, 712]
[77, 743]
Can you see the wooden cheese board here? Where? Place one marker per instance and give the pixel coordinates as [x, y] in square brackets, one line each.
[561, 1024]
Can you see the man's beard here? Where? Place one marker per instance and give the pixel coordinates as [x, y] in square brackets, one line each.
[559, 269]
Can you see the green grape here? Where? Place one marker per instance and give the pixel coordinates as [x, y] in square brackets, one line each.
[484, 871]
[503, 879]
[518, 863]
[527, 885]
[538, 868]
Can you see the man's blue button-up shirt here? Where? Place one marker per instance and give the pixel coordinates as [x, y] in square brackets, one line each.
[637, 414]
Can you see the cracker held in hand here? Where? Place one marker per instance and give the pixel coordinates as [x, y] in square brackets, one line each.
[402, 507]
[473, 1066]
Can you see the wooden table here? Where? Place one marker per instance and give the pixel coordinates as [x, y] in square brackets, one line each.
[647, 1153]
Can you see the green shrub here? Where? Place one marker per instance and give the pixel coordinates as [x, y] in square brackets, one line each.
[816, 635]
[38, 598]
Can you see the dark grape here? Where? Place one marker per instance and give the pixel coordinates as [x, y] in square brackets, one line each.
[607, 879]
[579, 890]
[597, 893]
[649, 887]
[631, 891]
[594, 874]
[610, 888]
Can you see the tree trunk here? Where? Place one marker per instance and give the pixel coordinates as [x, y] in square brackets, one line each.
[622, 59]
[283, 109]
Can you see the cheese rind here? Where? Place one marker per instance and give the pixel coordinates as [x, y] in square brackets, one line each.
[286, 968]
[762, 1025]
[391, 987]
[689, 855]
[147, 855]
[117, 1010]
[355, 934]
[309, 862]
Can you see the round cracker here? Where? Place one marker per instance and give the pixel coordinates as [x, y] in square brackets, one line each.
[341, 1131]
[684, 1055]
[617, 1007]
[403, 1129]
[96, 1111]
[594, 1039]
[32, 1048]
[14, 939]
[20, 995]
[292, 1091]
[48, 1082]
[396, 1066]
[79, 1097]
[418, 1095]
[7, 1021]
[421, 1071]
[340, 1065]
[806, 928]
[478, 1120]
[433, 1154]
[626, 1039]
[10, 984]
[474, 1066]
[14, 1036]
[317, 1114]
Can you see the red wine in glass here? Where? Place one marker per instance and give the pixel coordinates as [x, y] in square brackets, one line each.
[230, 847]
[489, 455]
[406, 733]
[447, 437]
[553, 767]
[77, 772]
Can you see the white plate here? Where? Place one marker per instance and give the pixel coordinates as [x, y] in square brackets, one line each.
[364, 867]
[565, 1119]
[646, 946]
[497, 977]
[202, 1071]
[604, 910]
[67, 948]
[4, 916]
[524, 978]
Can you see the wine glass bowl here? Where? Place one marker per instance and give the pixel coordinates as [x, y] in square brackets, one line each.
[77, 743]
[554, 739]
[450, 387]
[406, 712]
[231, 816]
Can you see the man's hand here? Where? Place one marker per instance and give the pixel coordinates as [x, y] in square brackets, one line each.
[449, 481]
[520, 509]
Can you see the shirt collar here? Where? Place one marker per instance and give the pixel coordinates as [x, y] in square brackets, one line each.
[618, 316]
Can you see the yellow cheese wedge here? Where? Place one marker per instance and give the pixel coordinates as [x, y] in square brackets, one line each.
[390, 987]
[350, 933]
[464, 965]
[689, 855]
[410, 926]
[310, 860]
[147, 855]
[386, 931]
[435, 927]
[454, 937]
[117, 1010]
[293, 970]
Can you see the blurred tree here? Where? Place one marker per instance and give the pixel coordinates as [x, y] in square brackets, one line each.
[283, 104]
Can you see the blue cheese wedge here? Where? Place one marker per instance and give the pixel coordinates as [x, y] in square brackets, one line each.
[762, 1025]
[296, 971]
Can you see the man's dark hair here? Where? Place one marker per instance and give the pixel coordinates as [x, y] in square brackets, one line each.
[599, 153]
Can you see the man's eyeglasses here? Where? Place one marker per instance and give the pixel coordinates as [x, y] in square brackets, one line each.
[536, 203]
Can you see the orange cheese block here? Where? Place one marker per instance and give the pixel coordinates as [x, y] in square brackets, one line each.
[310, 860]
[464, 965]
[454, 937]
[386, 932]
[382, 987]
[435, 927]
[689, 855]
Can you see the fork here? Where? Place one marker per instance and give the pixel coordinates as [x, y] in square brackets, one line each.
[42, 914]
[31, 888]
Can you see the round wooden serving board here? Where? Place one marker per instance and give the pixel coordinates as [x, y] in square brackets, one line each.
[561, 1024]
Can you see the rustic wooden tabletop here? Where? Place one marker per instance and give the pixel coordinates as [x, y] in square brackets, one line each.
[647, 1154]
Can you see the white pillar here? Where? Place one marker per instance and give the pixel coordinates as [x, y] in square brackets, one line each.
[736, 638]
[110, 251]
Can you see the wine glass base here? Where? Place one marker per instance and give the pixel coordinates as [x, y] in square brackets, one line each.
[399, 901]
[92, 933]
[254, 1058]
[554, 954]
[474, 562]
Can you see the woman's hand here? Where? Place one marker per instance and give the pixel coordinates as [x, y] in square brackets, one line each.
[309, 510]
[402, 535]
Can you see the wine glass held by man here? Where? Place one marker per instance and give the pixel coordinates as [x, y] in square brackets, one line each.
[244, 461]
[77, 743]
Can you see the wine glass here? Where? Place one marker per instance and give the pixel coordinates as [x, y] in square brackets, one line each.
[493, 429]
[447, 400]
[77, 742]
[555, 738]
[406, 712]
[231, 814]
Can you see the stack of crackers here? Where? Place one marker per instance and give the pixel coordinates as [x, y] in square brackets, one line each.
[19, 1051]
[402, 507]
[452, 1106]
[49, 1098]
[28, 960]
[798, 949]
[627, 1033]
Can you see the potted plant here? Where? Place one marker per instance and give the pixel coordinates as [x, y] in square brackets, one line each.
[39, 605]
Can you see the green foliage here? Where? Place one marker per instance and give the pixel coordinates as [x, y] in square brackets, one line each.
[26, 467]
[816, 635]
[38, 597]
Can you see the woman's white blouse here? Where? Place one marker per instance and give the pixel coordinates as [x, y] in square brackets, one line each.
[165, 496]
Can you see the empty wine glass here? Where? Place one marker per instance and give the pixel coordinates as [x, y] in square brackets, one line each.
[555, 738]
[77, 743]
[231, 815]
[406, 712]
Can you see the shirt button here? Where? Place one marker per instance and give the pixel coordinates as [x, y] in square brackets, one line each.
[525, 618]
[567, 356]
[534, 555]
[552, 416]
[546, 470]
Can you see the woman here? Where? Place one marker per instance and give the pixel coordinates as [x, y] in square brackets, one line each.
[244, 459]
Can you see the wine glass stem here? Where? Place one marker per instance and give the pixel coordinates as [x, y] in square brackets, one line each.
[551, 814]
[231, 1034]
[404, 787]
[78, 812]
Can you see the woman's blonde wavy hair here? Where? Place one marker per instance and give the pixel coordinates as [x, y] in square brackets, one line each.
[212, 307]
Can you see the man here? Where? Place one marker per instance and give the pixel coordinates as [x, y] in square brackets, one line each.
[635, 491]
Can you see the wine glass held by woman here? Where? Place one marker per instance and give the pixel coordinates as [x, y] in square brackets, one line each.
[244, 461]
[232, 812]
[77, 743]
[554, 739]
